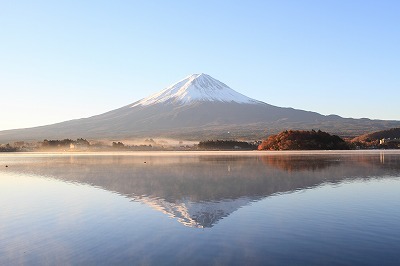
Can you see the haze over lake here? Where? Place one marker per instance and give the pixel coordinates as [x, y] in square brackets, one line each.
[200, 208]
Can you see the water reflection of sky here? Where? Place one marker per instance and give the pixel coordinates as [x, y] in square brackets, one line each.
[80, 206]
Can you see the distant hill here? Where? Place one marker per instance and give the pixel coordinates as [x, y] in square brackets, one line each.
[393, 133]
[303, 140]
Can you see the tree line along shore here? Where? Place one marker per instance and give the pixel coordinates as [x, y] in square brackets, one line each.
[285, 140]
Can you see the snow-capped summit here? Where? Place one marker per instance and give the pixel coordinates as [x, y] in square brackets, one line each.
[196, 88]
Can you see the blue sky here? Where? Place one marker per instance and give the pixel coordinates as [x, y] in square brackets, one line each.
[61, 60]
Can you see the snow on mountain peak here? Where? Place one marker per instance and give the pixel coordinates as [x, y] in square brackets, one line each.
[196, 88]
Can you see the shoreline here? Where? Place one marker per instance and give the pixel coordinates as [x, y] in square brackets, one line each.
[196, 153]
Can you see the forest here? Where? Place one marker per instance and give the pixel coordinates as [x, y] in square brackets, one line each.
[303, 140]
[226, 145]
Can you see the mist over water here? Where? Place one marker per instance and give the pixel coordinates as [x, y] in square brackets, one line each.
[201, 208]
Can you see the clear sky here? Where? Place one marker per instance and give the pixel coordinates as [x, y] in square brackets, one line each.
[61, 60]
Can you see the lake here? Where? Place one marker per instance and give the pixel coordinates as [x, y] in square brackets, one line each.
[199, 208]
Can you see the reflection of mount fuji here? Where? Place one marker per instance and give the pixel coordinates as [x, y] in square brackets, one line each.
[200, 190]
[197, 214]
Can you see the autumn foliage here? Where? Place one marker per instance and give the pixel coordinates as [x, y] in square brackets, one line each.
[303, 140]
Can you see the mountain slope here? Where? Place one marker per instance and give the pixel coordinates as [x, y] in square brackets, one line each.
[197, 107]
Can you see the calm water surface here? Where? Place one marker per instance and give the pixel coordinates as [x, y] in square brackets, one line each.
[200, 209]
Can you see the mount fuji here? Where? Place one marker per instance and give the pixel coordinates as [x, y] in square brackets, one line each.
[196, 107]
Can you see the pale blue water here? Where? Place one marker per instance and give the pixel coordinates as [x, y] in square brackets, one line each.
[199, 209]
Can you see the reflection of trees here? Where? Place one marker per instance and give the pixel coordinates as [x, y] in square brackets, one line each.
[374, 160]
[292, 163]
